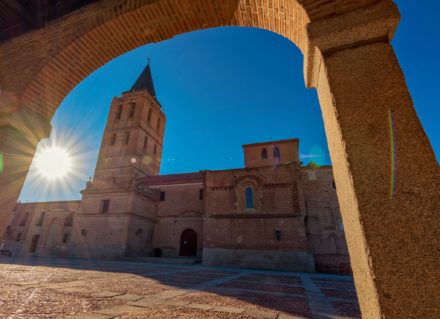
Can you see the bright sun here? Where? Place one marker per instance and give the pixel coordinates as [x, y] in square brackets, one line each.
[53, 162]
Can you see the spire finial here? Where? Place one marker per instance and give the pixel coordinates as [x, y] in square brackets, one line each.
[145, 81]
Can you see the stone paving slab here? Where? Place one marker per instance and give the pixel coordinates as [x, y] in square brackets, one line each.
[104, 289]
[145, 303]
[171, 294]
[106, 294]
[120, 310]
[229, 309]
[129, 297]
[76, 290]
[261, 314]
[290, 316]
[89, 315]
[200, 306]
[175, 303]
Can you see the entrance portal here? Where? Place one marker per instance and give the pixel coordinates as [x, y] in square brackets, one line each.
[188, 243]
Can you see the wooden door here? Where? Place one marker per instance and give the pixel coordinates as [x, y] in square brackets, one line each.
[188, 243]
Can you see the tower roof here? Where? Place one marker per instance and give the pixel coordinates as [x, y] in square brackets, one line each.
[145, 82]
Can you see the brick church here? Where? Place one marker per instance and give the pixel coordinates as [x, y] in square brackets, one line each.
[271, 214]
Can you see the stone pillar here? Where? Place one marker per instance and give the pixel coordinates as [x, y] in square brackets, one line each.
[20, 133]
[386, 173]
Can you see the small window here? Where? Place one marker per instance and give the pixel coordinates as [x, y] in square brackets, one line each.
[149, 116]
[119, 113]
[66, 238]
[113, 139]
[105, 205]
[126, 138]
[249, 193]
[18, 237]
[34, 243]
[155, 149]
[201, 194]
[264, 153]
[276, 152]
[158, 125]
[132, 109]
[24, 219]
[334, 184]
[68, 221]
[145, 143]
[162, 196]
[40, 220]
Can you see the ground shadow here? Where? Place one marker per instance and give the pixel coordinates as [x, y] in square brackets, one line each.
[278, 291]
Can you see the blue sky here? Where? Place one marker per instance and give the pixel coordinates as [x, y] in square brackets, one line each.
[225, 87]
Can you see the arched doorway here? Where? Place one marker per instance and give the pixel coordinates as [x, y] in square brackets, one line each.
[188, 243]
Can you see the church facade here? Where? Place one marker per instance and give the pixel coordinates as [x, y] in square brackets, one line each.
[271, 214]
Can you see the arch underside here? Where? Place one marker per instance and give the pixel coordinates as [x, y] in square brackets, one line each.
[61, 55]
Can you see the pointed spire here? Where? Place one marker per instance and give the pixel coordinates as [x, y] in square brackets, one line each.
[145, 81]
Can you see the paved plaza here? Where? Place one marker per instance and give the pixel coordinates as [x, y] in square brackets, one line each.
[66, 288]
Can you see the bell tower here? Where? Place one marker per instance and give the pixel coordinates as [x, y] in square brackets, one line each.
[132, 143]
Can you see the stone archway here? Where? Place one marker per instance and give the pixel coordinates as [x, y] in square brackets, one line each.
[374, 135]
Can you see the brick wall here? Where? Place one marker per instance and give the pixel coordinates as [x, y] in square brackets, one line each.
[237, 235]
[36, 68]
[49, 220]
[168, 232]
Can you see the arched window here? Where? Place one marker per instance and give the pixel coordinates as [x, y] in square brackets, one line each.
[276, 152]
[41, 219]
[24, 219]
[132, 109]
[126, 138]
[264, 153]
[65, 238]
[249, 193]
[149, 116]
[113, 139]
[145, 143]
[119, 113]
[158, 125]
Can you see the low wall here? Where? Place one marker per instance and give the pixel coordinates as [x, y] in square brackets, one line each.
[335, 264]
[259, 259]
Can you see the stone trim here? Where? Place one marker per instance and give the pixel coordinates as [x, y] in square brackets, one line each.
[374, 23]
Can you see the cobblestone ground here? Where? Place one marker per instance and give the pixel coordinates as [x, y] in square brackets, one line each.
[64, 288]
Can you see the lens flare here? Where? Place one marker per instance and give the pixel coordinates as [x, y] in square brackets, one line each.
[53, 162]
